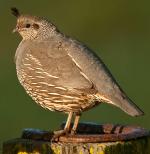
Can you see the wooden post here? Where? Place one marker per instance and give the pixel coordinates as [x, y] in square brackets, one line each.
[115, 139]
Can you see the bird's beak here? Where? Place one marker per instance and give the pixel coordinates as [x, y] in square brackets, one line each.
[15, 30]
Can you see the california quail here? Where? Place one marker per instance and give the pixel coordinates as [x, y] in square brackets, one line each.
[62, 74]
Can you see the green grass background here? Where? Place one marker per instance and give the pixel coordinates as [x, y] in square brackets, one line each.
[119, 31]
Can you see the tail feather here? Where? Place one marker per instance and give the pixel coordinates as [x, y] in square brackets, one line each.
[130, 108]
[124, 103]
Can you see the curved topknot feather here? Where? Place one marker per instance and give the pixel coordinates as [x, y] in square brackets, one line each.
[15, 11]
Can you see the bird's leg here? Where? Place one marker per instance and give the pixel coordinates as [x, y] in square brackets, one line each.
[66, 128]
[75, 125]
[68, 123]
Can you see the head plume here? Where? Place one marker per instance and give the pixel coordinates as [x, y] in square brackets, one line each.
[15, 12]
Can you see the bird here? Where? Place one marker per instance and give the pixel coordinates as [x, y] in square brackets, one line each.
[62, 74]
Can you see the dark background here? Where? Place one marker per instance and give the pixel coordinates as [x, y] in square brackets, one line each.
[119, 31]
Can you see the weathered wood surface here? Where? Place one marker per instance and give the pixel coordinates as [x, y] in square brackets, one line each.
[90, 139]
[24, 146]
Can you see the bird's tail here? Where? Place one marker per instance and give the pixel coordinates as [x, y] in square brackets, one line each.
[130, 107]
[124, 103]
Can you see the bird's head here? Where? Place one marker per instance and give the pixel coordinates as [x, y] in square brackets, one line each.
[32, 27]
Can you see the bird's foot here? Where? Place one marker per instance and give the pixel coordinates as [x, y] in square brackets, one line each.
[73, 132]
[59, 133]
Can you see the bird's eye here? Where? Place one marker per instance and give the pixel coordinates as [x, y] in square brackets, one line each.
[28, 25]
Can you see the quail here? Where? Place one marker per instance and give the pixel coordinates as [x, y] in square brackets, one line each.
[61, 74]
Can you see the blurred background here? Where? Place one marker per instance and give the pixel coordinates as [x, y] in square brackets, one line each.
[118, 31]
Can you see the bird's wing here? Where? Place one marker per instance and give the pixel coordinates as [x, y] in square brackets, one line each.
[57, 63]
[108, 89]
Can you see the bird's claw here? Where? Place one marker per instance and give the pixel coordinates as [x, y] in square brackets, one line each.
[73, 132]
[59, 133]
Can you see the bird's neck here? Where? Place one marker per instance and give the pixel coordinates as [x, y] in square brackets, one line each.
[47, 32]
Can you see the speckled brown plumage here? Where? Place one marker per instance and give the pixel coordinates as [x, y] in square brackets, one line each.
[62, 74]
